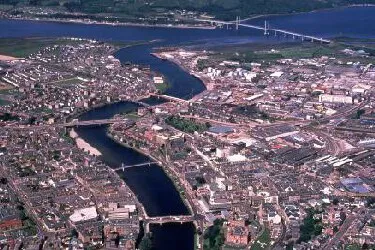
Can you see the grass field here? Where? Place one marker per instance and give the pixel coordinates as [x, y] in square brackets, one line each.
[132, 116]
[162, 87]
[22, 47]
[5, 7]
[353, 247]
[270, 52]
[233, 248]
[263, 241]
[68, 82]
[4, 102]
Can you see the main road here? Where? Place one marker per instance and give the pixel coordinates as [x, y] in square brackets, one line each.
[344, 228]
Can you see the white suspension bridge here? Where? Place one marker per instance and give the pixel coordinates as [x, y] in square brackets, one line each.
[267, 30]
[123, 166]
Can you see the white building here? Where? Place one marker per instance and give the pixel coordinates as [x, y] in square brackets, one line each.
[83, 214]
[274, 217]
[158, 80]
[336, 98]
[360, 88]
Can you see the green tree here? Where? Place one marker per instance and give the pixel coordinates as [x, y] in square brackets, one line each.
[335, 201]
[186, 125]
[4, 181]
[214, 236]
[359, 113]
[310, 227]
[146, 243]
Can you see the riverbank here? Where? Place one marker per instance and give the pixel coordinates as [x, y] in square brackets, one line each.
[77, 21]
[7, 58]
[113, 154]
[206, 82]
[175, 26]
[160, 163]
[82, 144]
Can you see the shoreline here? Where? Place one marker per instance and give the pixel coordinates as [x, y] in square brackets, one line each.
[76, 115]
[176, 26]
[206, 83]
[76, 21]
[82, 144]
[159, 163]
[148, 155]
[7, 58]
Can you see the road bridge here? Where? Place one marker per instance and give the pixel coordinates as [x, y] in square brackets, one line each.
[73, 124]
[167, 219]
[91, 122]
[170, 98]
[266, 29]
[253, 27]
[146, 105]
[299, 35]
[170, 219]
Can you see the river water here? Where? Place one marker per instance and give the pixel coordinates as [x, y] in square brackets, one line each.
[153, 188]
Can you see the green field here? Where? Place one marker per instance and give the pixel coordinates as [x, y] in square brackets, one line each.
[162, 87]
[233, 248]
[186, 125]
[22, 47]
[263, 241]
[270, 52]
[68, 82]
[353, 247]
[4, 102]
[131, 116]
[5, 7]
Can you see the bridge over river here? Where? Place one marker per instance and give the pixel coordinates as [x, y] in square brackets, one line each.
[170, 98]
[123, 167]
[167, 219]
[74, 123]
[266, 29]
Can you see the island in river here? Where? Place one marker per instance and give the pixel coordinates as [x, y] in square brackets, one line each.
[250, 172]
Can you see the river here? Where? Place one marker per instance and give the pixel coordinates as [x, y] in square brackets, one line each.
[153, 188]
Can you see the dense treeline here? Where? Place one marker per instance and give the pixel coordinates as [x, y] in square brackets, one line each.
[214, 236]
[186, 125]
[224, 9]
[311, 227]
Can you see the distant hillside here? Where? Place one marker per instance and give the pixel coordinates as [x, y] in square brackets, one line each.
[224, 9]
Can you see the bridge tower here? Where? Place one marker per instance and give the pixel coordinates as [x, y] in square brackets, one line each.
[266, 27]
[238, 19]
